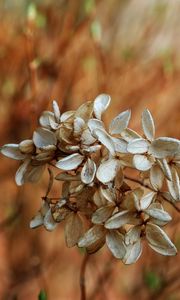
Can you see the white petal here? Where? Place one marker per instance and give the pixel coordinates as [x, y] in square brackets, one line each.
[91, 149]
[120, 219]
[129, 135]
[36, 221]
[45, 117]
[56, 110]
[87, 138]
[85, 111]
[101, 103]
[27, 147]
[133, 252]
[119, 123]
[70, 162]
[138, 146]
[73, 229]
[144, 202]
[102, 214]
[120, 145]
[43, 137]
[158, 213]
[12, 151]
[94, 234]
[148, 125]
[156, 177]
[141, 162]
[88, 171]
[115, 243]
[163, 147]
[165, 168]
[21, 172]
[107, 170]
[94, 124]
[174, 185]
[67, 115]
[105, 139]
[159, 241]
[49, 222]
[79, 125]
[133, 235]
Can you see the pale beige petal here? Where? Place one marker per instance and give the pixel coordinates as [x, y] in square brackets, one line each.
[102, 214]
[129, 135]
[156, 177]
[67, 115]
[49, 222]
[165, 168]
[98, 199]
[105, 139]
[133, 252]
[45, 117]
[43, 137]
[12, 151]
[121, 218]
[159, 241]
[27, 146]
[157, 213]
[36, 221]
[138, 146]
[163, 147]
[88, 171]
[142, 203]
[94, 124]
[142, 162]
[107, 170]
[79, 126]
[85, 111]
[133, 235]
[174, 185]
[120, 145]
[70, 162]
[119, 123]
[56, 110]
[87, 138]
[73, 229]
[148, 125]
[115, 243]
[91, 149]
[21, 172]
[94, 234]
[108, 193]
[101, 103]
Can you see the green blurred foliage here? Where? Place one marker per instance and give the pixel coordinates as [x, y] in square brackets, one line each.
[153, 281]
[42, 295]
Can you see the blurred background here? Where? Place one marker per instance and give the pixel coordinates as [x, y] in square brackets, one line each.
[72, 51]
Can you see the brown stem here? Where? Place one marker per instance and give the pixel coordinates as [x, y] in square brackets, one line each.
[139, 182]
[103, 278]
[82, 277]
[150, 188]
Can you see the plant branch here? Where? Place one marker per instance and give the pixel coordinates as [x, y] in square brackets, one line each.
[82, 277]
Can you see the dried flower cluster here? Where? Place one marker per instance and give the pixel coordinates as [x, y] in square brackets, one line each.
[99, 202]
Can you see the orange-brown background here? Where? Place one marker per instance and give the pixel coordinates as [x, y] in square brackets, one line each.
[72, 51]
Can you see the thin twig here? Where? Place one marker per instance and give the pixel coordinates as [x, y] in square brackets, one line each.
[82, 277]
[103, 278]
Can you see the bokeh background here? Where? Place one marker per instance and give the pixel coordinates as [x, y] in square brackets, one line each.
[72, 51]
